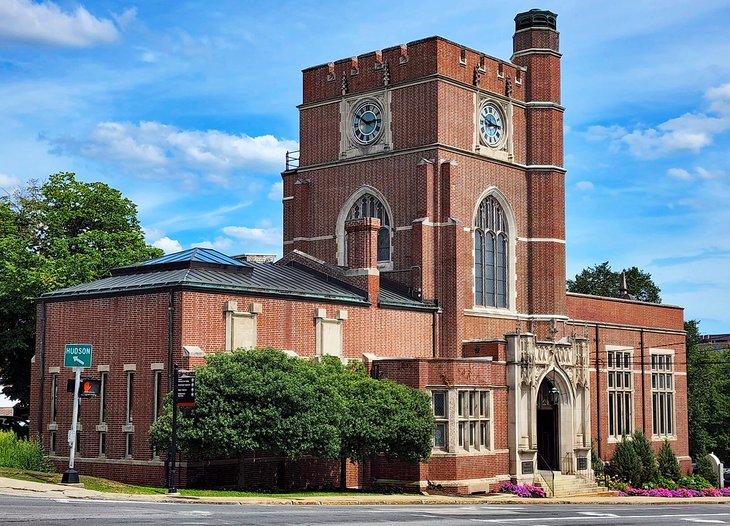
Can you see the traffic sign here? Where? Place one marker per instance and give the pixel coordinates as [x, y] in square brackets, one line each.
[77, 355]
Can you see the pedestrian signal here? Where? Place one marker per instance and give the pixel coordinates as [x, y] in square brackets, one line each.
[89, 387]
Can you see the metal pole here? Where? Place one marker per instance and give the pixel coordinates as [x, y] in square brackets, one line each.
[71, 476]
[173, 444]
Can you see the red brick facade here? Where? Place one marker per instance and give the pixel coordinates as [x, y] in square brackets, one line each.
[429, 171]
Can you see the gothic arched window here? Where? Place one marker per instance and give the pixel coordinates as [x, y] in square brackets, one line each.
[370, 206]
[491, 244]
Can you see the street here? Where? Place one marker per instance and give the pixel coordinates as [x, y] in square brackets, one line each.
[34, 510]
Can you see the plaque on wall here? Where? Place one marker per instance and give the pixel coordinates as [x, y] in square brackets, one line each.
[527, 468]
[582, 463]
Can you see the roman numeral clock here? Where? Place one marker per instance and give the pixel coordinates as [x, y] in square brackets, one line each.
[365, 125]
[493, 129]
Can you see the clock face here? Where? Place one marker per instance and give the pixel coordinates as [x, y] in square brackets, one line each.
[367, 122]
[491, 125]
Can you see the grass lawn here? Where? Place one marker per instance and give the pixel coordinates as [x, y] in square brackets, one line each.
[111, 486]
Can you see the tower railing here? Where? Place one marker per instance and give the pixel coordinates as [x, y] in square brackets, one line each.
[292, 160]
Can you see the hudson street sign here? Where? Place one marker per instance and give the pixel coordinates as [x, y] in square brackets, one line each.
[77, 355]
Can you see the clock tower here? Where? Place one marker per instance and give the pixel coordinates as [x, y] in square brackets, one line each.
[459, 155]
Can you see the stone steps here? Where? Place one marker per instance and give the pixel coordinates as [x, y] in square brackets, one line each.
[569, 485]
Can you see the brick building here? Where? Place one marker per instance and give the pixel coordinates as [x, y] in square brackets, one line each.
[424, 233]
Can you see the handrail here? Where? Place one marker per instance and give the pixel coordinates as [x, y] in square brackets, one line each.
[547, 475]
[292, 160]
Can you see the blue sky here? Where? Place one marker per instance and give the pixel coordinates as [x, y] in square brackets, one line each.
[188, 107]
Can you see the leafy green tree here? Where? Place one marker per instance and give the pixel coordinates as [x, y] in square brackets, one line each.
[667, 462]
[600, 280]
[626, 463]
[265, 400]
[640, 443]
[56, 234]
[381, 416]
[708, 396]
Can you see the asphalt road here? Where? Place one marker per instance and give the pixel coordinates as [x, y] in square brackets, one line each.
[31, 510]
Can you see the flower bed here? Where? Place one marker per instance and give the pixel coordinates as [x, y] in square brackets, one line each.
[681, 492]
[522, 490]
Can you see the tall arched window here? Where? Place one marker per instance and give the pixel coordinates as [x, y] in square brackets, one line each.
[490, 255]
[370, 206]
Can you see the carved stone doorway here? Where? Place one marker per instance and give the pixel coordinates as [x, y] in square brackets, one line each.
[548, 427]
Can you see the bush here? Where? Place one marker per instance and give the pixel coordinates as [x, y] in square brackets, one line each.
[596, 463]
[525, 490]
[22, 454]
[626, 463]
[667, 463]
[695, 481]
[705, 470]
[649, 472]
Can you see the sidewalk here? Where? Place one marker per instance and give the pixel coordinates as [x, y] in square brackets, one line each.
[57, 491]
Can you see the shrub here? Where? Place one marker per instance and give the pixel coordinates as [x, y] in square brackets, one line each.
[626, 463]
[705, 470]
[22, 454]
[522, 490]
[668, 464]
[697, 482]
[596, 463]
[643, 450]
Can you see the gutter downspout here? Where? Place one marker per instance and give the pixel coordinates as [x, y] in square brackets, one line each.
[170, 373]
[598, 395]
[42, 368]
[643, 383]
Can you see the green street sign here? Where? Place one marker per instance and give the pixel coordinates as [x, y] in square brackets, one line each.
[77, 355]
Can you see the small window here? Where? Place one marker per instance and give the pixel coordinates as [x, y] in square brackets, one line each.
[130, 397]
[129, 440]
[439, 403]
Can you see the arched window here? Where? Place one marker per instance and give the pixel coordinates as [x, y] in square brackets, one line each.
[370, 206]
[490, 255]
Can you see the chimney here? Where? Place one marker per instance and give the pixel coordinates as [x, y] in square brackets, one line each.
[362, 255]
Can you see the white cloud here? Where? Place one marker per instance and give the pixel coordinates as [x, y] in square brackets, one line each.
[221, 244]
[719, 99]
[680, 173]
[8, 182]
[28, 22]
[276, 191]
[268, 236]
[584, 185]
[167, 150]
[690, 132]
[168, 245]
[699, 173]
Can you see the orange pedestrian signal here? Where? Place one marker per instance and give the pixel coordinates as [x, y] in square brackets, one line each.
[89, 387]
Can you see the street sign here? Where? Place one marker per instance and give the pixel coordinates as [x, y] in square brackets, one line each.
[185, 392]
[77, 355]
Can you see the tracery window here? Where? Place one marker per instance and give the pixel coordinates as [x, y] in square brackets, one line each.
[490, 255]
[620, 392]
[662, 394]
[370, 206]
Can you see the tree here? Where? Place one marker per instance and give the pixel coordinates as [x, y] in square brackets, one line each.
[265, 400]
[640, 443]
[667, 462]
[600, 280]
[56, 234]
[626, 463]
[708, 403]
[381, 416]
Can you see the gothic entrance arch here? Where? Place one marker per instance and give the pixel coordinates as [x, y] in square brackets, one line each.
[548, 426]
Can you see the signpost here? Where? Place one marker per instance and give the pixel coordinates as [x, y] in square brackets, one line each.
[183, 390]
[78, 356]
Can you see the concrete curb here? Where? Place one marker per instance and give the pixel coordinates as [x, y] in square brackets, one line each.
[21, 487]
